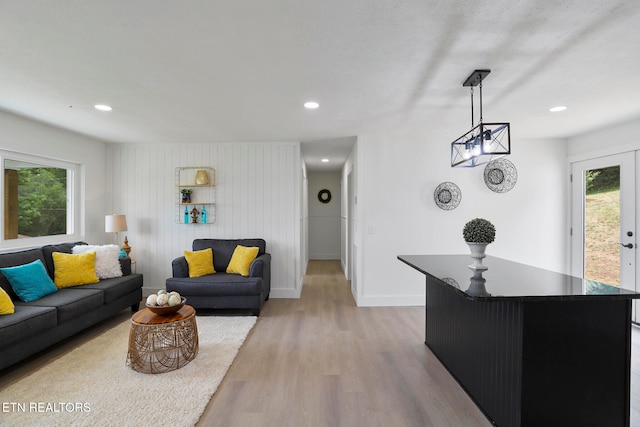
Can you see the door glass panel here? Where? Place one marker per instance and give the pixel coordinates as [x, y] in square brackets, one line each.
[602, 225]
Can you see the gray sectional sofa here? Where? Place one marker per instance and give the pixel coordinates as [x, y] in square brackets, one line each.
[39, 324]
[222, 290]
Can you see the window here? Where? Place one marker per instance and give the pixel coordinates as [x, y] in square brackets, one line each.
[39, 199]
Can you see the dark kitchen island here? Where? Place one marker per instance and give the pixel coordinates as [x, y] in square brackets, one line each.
[530, 346]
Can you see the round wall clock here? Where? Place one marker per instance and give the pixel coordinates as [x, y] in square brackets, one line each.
[324, 196]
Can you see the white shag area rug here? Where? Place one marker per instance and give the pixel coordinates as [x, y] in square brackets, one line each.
[92, 386]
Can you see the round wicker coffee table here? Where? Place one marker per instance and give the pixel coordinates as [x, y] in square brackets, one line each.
[160, 344]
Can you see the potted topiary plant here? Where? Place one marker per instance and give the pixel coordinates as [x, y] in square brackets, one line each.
[186, 195]
[478, 233]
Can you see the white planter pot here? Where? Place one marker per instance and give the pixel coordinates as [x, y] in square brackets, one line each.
[477, 253]
[477, 285]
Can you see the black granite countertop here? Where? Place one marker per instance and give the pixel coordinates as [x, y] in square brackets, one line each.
[509, 279]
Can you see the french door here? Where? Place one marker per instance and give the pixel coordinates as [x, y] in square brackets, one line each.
[603, 223]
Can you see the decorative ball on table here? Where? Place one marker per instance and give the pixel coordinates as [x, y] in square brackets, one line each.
[164, 303]
[478, 233]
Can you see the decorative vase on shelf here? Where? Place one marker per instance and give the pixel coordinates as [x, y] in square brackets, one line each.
[203, 214]
[202, 178]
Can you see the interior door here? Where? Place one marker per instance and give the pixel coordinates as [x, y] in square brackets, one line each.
[603, 239]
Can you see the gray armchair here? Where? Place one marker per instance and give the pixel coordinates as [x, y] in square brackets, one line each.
[222, 290]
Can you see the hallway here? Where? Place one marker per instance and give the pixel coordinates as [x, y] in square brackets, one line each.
[322, 361]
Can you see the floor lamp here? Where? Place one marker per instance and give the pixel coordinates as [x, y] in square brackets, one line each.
[116, 224]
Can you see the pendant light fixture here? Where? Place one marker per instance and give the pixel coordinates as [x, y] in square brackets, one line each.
[484, 142]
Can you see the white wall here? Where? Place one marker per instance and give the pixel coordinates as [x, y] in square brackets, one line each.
[29, 137]
[618, 138]
[397, 177]
[324, 218]
[258, 195]
[349, 219]
[347, 208]
[304, 222]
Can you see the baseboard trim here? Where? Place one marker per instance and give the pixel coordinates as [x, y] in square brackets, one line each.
[285, 293]
[391, 301]
[324, 257]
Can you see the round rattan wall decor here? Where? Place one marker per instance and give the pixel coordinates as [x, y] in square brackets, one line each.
[500, 175]
[452, 282]
[324, 196]
[447, 196]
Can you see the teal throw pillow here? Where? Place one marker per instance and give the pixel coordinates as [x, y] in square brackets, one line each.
[29, 281]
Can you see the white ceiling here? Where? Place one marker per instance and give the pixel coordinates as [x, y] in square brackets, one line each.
[240, 70]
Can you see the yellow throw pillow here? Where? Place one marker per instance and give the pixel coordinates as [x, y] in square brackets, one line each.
[241, 260]
[200, 262]
[6, 305]
[74, 269]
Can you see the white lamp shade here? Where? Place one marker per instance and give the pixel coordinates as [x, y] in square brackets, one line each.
[115, 223]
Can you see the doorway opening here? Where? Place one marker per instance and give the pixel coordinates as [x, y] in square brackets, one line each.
[325, 215]
[604, 221]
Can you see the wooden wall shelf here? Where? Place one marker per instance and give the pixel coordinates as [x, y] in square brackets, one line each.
[201, 180]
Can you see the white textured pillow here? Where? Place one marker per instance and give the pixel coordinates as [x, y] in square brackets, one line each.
[107, 263]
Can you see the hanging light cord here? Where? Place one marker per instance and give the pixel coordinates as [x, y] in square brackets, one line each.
[471, 90]
[472, 109]
[480, 101]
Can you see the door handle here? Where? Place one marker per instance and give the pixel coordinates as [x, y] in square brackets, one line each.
[628, 245]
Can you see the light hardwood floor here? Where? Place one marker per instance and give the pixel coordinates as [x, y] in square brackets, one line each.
[322, 361]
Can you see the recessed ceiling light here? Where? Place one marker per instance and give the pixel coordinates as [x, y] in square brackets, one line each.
[558, 108]
[325, 160]
[311, 105]
[102, 107]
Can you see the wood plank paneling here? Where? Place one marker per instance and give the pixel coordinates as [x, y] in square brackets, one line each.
[258, 195]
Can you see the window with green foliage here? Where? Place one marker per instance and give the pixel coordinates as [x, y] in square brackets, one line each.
[38, 198]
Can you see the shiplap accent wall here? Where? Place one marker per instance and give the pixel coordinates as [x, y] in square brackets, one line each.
[258, 190]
